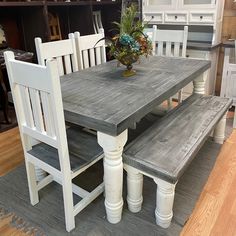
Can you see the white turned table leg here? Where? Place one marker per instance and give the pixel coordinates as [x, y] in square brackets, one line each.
[113, 173]
[199, 85]
[134, 189]
[219, 132]
[164, 202]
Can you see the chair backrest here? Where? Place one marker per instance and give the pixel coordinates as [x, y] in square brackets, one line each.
[90, 52]
[170, 42]
[230, 83]
[54, 25]
[64, 51]
[97, 21]
[38, 102]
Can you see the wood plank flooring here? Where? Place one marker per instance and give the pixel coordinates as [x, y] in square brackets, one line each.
[215, 211]
[11, 153]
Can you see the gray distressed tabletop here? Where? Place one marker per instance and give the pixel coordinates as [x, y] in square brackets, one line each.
[101, 99]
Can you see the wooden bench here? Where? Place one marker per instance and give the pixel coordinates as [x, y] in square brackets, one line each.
[166, 149]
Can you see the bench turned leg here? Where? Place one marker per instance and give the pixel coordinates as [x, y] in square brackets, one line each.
[199, 85]
[134, 189]
[219, 132]
[164, 202]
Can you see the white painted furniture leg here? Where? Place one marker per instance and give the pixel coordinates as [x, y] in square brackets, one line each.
[219, 132]
[31, 176]
[113, 173]
[164, 202]
[180, 96]
[68, 204]
[170, 104]
[199, 85]
[134, 188]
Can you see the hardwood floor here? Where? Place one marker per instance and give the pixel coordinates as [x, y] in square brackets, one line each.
[215, 211]
[11, 153]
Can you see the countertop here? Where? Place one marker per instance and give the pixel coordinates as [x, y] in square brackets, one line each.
[202, 46]
[228, 44]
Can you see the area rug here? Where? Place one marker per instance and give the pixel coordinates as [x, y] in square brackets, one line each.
[47, 217]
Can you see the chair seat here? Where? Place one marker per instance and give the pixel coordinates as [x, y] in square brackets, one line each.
[83, 149]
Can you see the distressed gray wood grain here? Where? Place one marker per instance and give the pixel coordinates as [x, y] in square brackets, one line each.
[101, 99]
[167, 148]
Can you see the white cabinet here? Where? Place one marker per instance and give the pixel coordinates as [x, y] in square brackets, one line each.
[154, 17]
[176, 17]
[200, 17]
[198, 3]
[160, 4]
[198, 12]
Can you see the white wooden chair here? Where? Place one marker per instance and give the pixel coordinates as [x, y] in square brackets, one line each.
[64, 51]
[170, 43]
[62, 154]
[97, 21]
[90, 52]
[228, 85]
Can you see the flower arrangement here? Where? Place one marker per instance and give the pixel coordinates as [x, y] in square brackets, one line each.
[131, 42]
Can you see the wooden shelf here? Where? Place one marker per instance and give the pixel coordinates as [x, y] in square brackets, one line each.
[77, 3]
[22, 24]
[21, 4]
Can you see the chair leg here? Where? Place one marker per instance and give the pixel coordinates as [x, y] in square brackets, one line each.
[68, 204]
[180, 96]
[32, 182]
[234, 124]
[164, 202]
[134, 189]
[219, 132]
[169, 101]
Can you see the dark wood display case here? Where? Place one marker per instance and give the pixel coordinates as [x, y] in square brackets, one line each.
[22, 21]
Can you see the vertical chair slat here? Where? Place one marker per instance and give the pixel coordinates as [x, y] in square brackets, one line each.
[98, 55]
[48, 115]
[26, 106]
[37, 110]
[176, 49]
[91, 57]
[60, 66]
[160, 49]
[168, 49]
[86, 59]
[67, 64]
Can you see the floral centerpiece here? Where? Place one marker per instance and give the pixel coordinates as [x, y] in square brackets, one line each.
[131, 42]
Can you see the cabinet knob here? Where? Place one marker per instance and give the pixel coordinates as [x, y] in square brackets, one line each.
[201, 17]
[152, 17]
[176, 17]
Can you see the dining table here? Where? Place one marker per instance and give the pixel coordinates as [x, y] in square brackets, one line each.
[100, 98]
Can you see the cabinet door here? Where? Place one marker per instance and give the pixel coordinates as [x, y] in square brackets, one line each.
[198, 3]
[160, 4]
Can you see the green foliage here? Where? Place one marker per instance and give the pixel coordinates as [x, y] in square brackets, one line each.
[128, 24]
[130, 43]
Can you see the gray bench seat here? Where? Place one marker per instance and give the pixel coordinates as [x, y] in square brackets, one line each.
[165, 150]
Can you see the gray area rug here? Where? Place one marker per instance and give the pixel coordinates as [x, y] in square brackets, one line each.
[47, 217]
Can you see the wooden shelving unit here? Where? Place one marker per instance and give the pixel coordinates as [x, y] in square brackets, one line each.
[22, 21]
